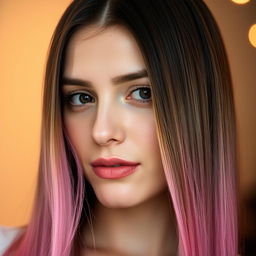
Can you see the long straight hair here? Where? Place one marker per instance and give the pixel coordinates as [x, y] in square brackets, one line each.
[194, 108]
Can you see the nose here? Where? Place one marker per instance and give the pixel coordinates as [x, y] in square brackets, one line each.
[107, 126]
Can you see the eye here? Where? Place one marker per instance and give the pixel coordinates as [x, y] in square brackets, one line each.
[142, 92]
[76, 98]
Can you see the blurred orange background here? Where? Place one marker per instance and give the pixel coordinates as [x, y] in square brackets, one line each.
[26, 27]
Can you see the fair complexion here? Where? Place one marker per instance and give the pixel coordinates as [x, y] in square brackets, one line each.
[115, 119]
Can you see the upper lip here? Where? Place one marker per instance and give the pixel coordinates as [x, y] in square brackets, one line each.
[111, 161]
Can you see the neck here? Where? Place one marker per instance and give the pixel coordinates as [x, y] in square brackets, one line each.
[144, 229]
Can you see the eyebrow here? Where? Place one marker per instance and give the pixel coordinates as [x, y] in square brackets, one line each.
[115, 80]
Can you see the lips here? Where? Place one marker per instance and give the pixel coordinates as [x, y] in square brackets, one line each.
[112, 162]
[113, 168]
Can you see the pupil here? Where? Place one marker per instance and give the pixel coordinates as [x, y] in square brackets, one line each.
[84, 98]
[144, 93]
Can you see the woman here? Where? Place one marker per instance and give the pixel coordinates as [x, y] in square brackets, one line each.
[146, 85]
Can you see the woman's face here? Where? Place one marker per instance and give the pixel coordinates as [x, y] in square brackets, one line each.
[112, 118]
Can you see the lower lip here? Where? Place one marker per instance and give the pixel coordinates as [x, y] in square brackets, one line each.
[114, 172]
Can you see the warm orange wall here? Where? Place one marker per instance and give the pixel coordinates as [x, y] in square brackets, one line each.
[25, 30]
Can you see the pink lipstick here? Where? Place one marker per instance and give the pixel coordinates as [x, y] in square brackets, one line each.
[113, 168]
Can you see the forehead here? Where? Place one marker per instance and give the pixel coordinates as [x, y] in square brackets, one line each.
[111, 52]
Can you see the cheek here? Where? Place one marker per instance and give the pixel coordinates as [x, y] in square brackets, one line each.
[146, 135]
[78, 131]
[146, 140]
[149, 146]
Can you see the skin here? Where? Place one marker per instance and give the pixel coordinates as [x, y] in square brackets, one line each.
[133, 213]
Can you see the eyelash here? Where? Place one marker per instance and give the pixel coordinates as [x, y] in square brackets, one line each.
[68, 97]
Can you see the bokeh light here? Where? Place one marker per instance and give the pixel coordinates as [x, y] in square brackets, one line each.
[252, 35]
[240, 1]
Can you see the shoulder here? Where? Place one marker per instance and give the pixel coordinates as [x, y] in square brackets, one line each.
[7, 236]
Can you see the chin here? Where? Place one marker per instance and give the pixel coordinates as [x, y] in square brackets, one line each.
[118, 198]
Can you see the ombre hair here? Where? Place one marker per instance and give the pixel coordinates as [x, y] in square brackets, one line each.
[193, 104]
